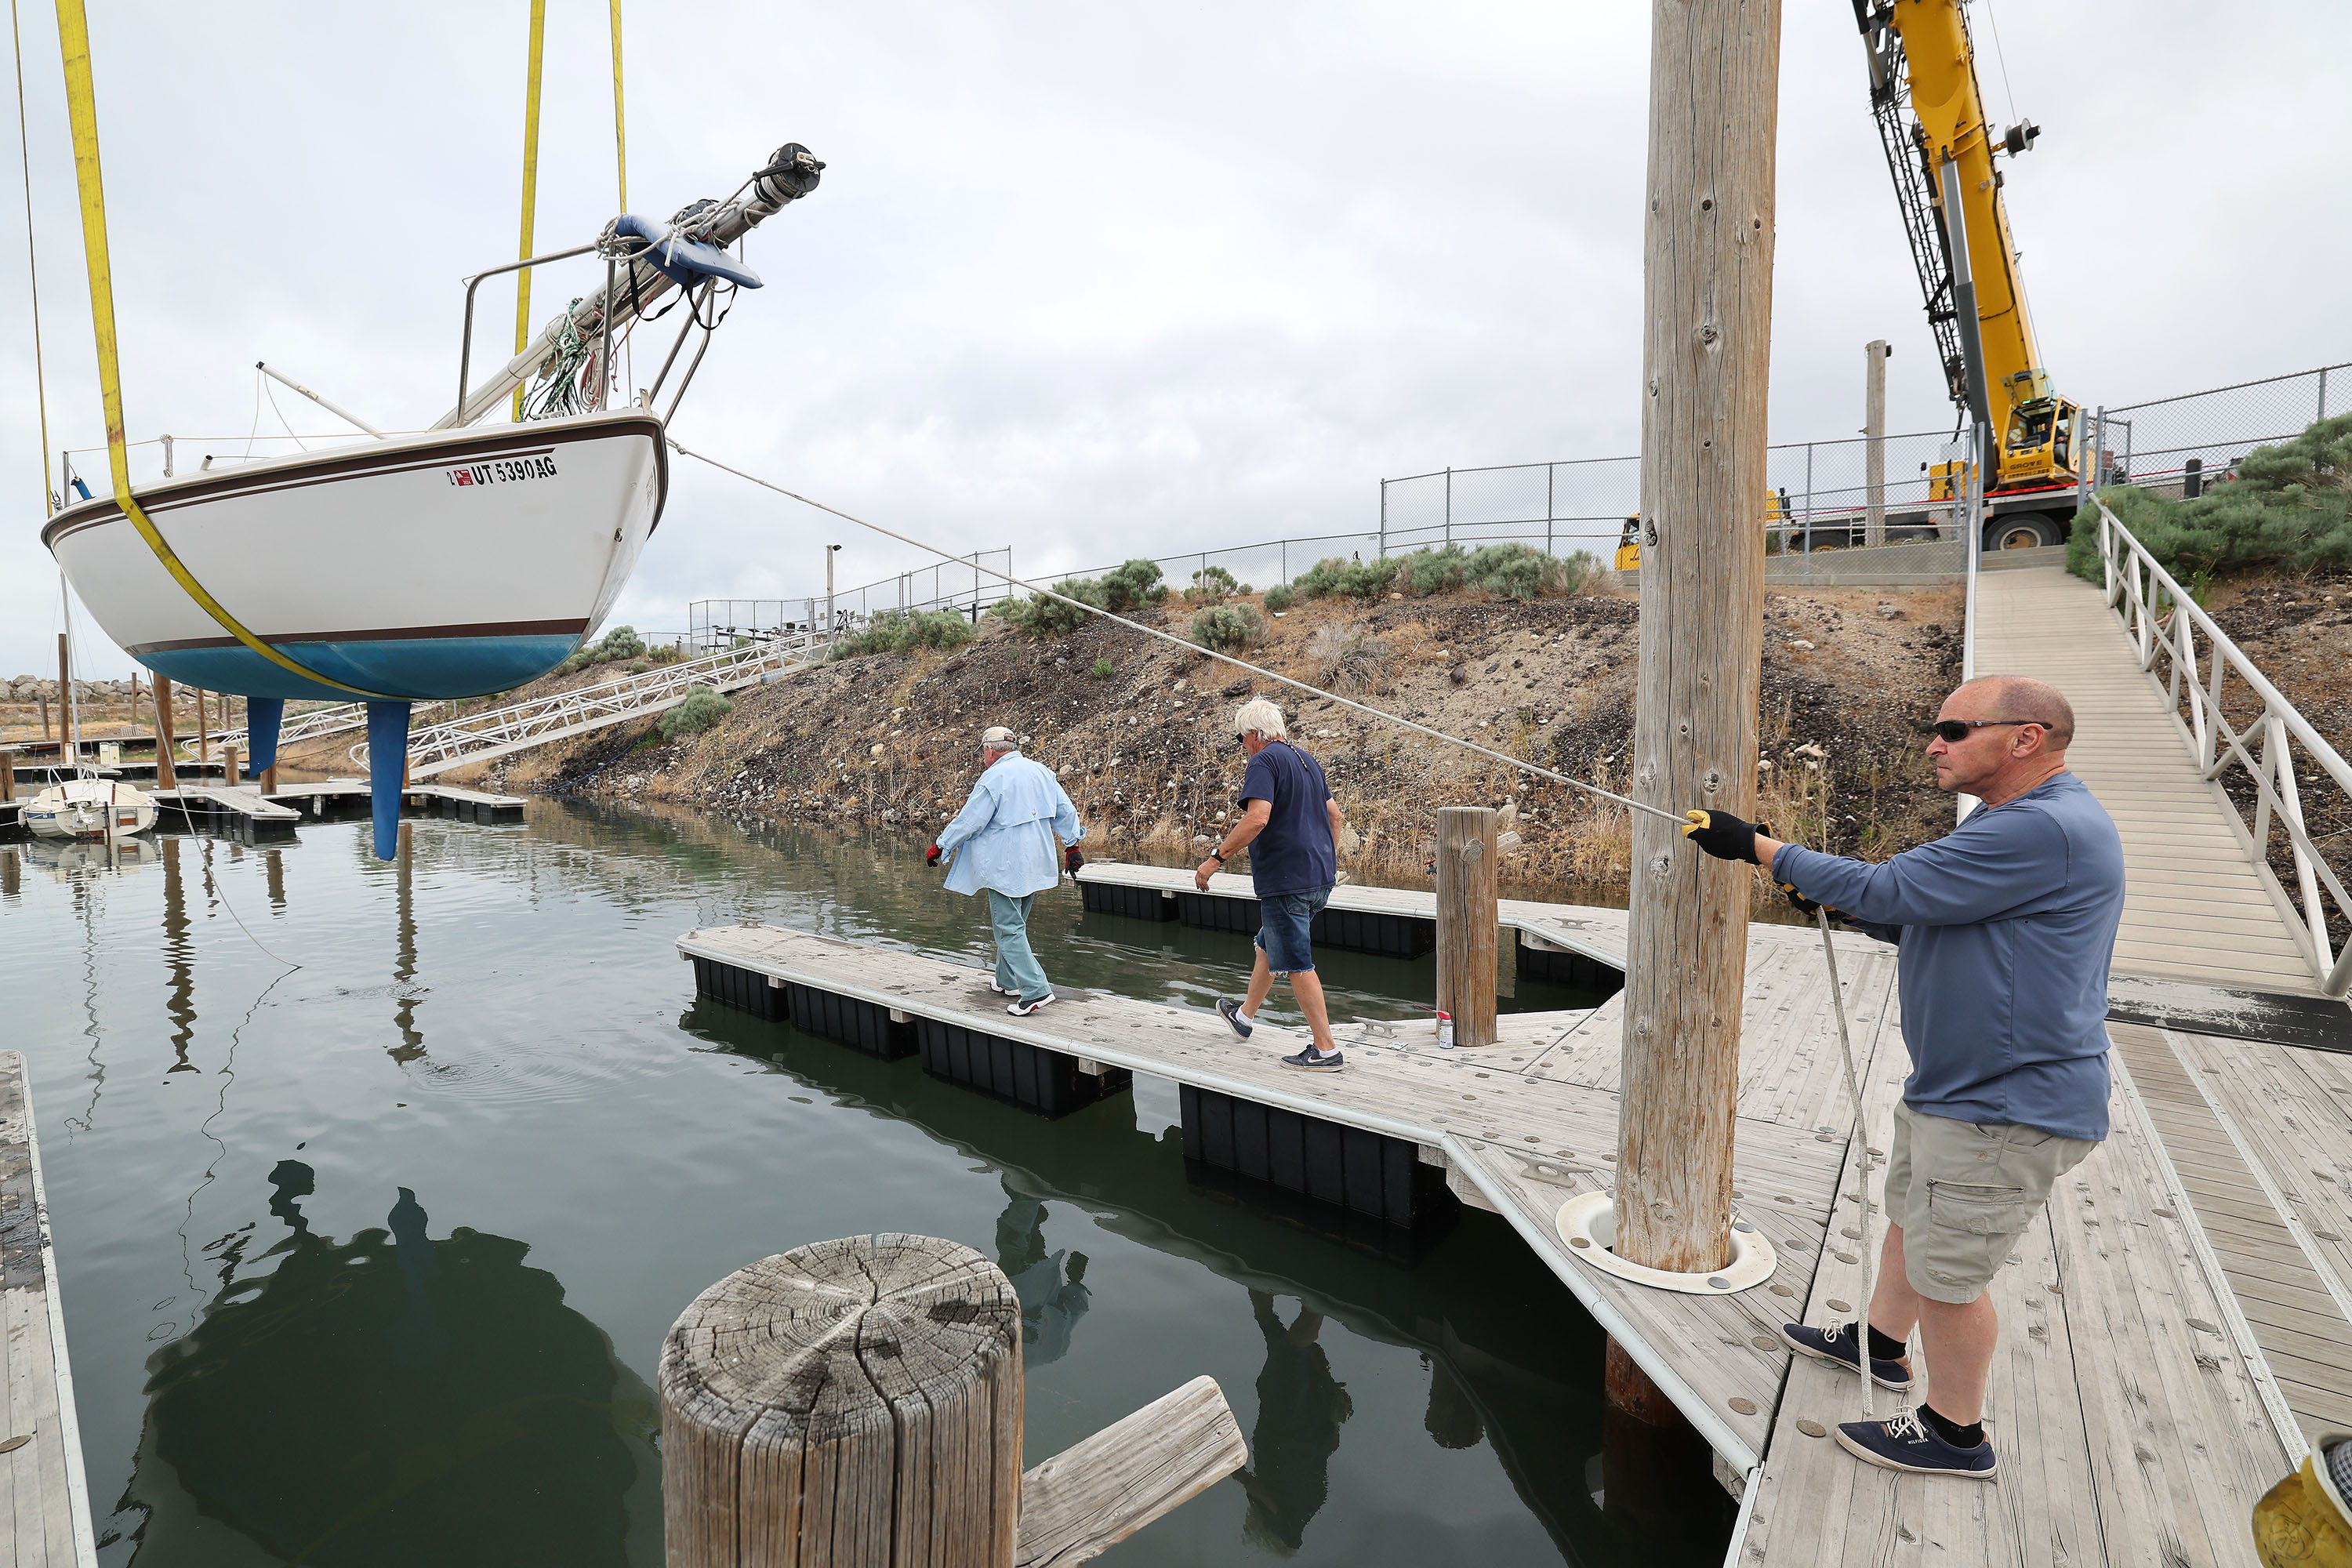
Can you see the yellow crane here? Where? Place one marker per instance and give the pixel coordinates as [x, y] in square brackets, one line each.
[1942, 154]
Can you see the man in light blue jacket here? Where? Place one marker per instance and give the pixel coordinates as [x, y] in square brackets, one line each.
[1006, 834]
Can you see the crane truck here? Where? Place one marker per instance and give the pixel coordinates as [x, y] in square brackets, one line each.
[1941, 151]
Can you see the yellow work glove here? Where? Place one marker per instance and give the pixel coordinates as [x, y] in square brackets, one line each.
[2305, 1521]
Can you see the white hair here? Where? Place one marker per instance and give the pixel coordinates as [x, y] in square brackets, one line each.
[1260, 714]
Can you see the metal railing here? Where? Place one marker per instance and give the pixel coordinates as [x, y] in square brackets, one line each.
[2164, 622]
[477, 737]
[332, 719]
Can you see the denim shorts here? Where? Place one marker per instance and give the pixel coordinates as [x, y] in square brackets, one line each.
[1283, 919]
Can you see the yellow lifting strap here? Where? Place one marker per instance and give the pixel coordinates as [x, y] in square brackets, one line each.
[529, 183]
[620, 137]
[81, 107]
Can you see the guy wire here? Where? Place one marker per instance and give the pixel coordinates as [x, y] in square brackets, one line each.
[1519, 762]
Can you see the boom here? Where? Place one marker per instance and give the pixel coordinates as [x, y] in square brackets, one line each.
[1931, 123]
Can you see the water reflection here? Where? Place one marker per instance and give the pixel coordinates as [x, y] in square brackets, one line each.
[403, 967]
[1300, 1408]
[343, 1404]
[1052, 1299]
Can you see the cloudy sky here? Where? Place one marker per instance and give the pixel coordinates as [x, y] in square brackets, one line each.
[1093, 282]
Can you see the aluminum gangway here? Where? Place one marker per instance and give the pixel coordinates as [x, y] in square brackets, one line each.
[495, 732]
[2168, 713]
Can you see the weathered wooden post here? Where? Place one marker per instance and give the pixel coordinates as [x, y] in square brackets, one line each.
[68, 727]
[166, 778]
[229, 775]
[203, 733]
[859, 1402]
[1873, 430]
[1707, 323]
[7, 776]
[1466, 922]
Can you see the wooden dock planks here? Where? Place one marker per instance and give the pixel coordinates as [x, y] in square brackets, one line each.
[44, 1501]
[1527, 1142]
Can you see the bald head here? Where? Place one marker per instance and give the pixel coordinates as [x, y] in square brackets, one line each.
[2022, 697]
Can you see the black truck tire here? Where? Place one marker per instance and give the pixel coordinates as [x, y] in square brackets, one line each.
[2024, 530]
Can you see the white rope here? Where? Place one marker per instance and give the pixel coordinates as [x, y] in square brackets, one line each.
[1519, 762]
[1861, 1158]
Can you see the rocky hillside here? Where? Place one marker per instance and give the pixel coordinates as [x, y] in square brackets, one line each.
[1140, 732]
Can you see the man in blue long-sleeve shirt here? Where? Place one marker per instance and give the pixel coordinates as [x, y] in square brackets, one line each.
[1006, 834]
[2006, 926]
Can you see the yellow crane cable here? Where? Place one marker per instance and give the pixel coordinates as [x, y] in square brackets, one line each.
[49, 498]
[81, 107]
[620, 137]
[530, 182]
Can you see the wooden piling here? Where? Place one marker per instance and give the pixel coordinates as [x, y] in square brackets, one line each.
[67, 730]
[165, 776]
[1707, 313]
[859, 1402]
[7, 776]
[204, 733]
[229, 775]
[1467, 923]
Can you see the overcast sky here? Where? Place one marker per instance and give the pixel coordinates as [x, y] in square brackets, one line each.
[1094, 281]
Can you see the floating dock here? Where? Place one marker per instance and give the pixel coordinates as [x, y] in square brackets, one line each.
[44, 1498]
[2176, 1325]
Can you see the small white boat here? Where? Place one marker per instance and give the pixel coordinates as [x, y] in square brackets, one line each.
[89, 809]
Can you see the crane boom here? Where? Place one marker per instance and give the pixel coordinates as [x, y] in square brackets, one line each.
[1931, 123]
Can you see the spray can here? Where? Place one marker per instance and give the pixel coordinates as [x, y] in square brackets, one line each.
[1445, 1031]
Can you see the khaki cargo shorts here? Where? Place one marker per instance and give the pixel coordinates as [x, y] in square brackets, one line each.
[1964, 1192]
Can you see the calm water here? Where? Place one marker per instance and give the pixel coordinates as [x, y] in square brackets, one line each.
[370, 1261]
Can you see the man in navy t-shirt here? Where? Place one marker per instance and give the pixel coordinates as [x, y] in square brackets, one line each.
[1291, 825]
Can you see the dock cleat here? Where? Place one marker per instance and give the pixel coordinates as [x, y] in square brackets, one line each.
[1840, 1344]
[1909, 1444]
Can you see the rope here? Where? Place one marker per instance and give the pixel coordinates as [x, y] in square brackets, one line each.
[530, 182]
[50, 499]
[1520, 763]
[620, 137]
[81, 103]
[1862, 1159]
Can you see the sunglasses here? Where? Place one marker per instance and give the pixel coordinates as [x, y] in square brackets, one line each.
[1955, 730]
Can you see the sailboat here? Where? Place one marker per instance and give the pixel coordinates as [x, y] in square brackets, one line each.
[89, 809]
[452, 562]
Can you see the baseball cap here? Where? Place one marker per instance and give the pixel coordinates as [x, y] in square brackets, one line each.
[997, 737]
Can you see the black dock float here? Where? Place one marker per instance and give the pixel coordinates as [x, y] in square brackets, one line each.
[1134, 903]
[1565, 966]
[1048, 1082]
[747, 989]
[1369, 1175]
[862, 1026]
[1375, 931]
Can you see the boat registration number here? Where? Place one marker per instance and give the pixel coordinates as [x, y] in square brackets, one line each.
[504, 471]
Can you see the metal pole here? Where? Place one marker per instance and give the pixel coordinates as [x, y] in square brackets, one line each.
[1808, 507]
[337, 410]
[1449, 506]
[2322, 394]
[830, 550]
[1384, 517]
[1873, 426]
[1550, 474]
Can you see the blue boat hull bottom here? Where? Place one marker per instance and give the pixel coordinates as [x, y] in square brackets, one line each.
[418, 668]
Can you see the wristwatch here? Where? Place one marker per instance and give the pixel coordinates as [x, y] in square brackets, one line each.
[1217, 858]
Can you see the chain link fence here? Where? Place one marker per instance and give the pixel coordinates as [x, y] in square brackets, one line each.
[2176, 446]
[967, 585]
[1827, 518]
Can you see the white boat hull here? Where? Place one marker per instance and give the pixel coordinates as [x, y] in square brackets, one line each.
[449, 564]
